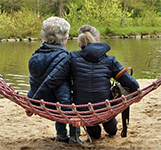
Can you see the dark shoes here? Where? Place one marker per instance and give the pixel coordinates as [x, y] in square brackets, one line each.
[74, 141]
[68, 140]
[61, 139]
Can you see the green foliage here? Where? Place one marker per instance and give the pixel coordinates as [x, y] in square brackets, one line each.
[89, 12]
[150, 18]
[19, 24]
[110, 13]
[9, 5]
[4, 25]
[72, 17]
[106, 15]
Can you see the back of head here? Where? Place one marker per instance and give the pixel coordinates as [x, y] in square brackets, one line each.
[87, 34]
[55, 30]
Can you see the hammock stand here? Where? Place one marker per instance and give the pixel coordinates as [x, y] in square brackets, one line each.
[91, 117]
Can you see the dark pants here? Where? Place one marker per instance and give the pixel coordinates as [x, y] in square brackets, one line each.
[62, 131]
[110, 127]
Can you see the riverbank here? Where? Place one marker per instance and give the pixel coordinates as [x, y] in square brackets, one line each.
[19, 132]
[75, 38]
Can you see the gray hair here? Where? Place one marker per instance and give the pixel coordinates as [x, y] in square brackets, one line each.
[87, 34]
[55, 30]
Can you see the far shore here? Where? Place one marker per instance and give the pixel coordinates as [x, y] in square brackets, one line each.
[29, 39]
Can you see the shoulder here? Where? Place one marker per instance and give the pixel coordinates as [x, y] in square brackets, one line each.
[74, 54]
[108, 58]
[62, 53]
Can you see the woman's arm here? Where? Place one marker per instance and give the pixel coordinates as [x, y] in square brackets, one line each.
[126, 80]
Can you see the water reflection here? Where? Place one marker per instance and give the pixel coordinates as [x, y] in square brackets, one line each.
[18, 82]
[143, 55]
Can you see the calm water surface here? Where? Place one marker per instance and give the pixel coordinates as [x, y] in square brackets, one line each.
[136, 53]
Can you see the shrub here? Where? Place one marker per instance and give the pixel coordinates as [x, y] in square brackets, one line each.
[20, 24]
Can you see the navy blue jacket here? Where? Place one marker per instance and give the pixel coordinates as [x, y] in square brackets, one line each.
[41, 63]
[91, 70]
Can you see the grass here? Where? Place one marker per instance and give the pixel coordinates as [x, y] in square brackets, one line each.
[136, 30]
[122, 31]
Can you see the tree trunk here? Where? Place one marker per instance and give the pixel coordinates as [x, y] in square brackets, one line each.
[124, 13]
[60, 8]
[38, 8]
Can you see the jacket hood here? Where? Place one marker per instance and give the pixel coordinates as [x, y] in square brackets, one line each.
[94, 52]
[41, 60]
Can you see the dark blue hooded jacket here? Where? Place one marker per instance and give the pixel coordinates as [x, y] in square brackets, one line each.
[41, 63]
[91, 70]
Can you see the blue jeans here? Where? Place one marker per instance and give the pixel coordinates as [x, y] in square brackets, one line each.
[62, 131]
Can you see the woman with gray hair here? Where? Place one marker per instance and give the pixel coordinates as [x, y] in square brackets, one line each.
[91, 69]
[55, 33]
[55, 30]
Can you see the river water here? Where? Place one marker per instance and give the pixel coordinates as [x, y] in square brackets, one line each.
[143, 55]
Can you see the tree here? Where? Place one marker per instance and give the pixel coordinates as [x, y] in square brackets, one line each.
[8, 5]
[130, 9]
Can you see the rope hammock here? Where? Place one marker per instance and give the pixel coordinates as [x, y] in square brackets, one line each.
[86, 118]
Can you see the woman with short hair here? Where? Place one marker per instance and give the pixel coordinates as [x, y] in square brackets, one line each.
[55, 33]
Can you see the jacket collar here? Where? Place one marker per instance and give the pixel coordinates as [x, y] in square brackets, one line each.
[46, 47]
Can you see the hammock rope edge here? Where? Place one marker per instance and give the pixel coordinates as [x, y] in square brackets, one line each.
[90, 117]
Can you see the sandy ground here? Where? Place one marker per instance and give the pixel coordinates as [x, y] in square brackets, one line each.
[19, 132]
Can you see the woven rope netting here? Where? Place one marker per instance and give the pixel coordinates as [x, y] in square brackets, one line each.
[90, 117]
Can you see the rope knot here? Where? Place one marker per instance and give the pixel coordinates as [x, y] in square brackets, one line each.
[26, 100]
[108, 105]
[140, 92]
[58, 107]
[42, 104]
[155, 85]
[90, 107]
[74, 108]
[123, 99]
